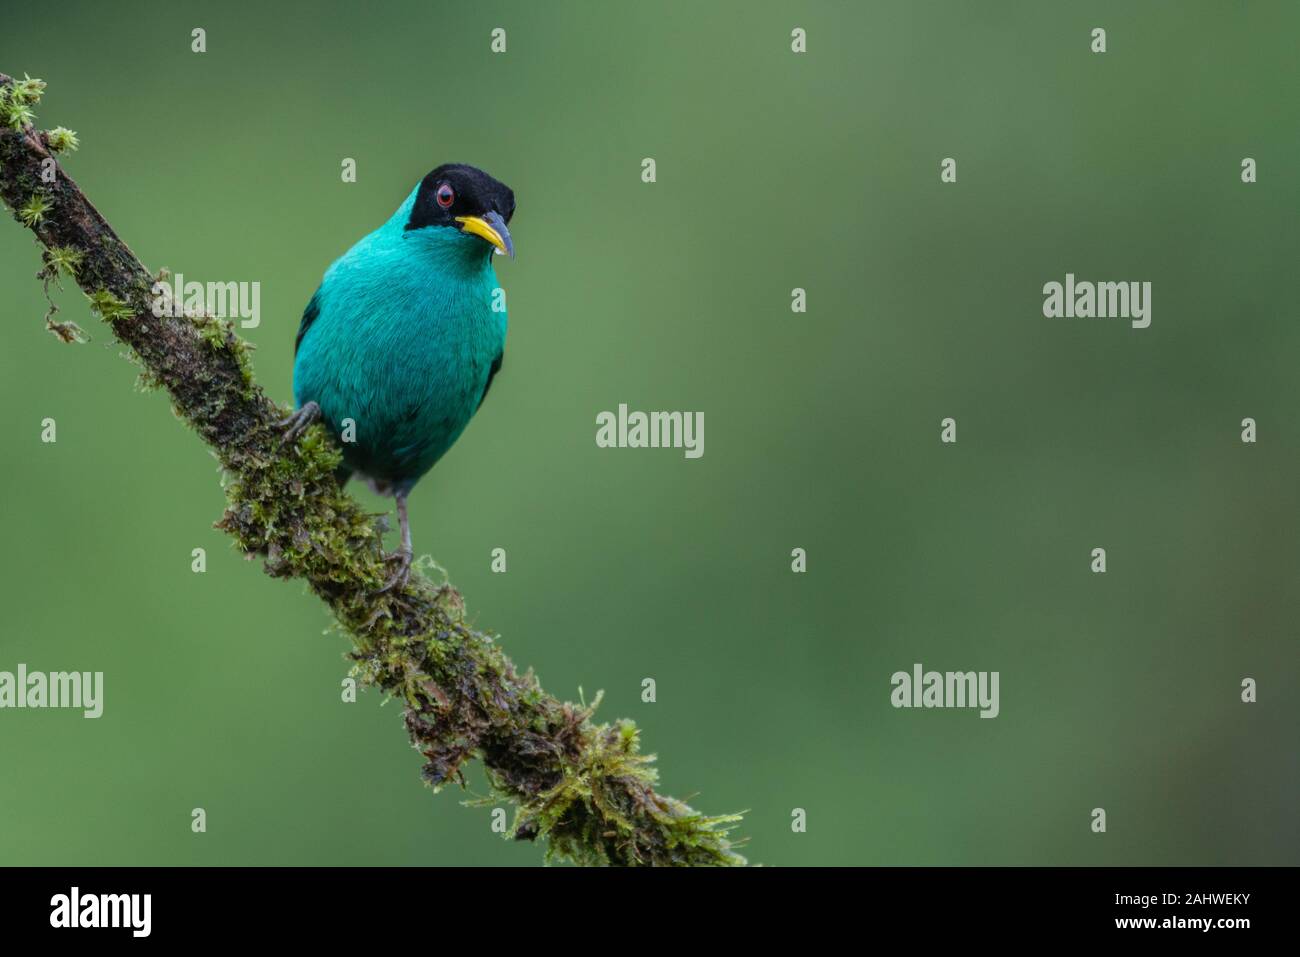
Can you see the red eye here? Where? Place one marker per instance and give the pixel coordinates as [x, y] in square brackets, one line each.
[446, 196]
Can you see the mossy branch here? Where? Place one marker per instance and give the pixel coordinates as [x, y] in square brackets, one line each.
[582, 787]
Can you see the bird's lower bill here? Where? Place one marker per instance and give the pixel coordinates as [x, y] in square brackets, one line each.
[490, 227]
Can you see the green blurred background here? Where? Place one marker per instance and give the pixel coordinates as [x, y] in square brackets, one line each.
[775, 170]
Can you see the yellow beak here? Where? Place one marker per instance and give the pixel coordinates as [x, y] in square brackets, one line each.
[492, 228]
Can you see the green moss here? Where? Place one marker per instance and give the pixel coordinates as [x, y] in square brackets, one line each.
[290, 508]
[57, 260]
[64, 259]
[108, 307]
[62, 140]
[220, 335]
[588, 818]
[17, 100]
[27, 90]
[18, 115]
[33, 211]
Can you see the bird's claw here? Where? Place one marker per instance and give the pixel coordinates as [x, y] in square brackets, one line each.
[402, 557]
[296, 424]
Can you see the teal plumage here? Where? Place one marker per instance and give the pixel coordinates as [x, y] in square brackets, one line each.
[402, 338]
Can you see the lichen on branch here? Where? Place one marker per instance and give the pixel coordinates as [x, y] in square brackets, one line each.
[584, 788]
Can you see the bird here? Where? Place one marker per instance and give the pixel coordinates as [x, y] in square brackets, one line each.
[400, 343]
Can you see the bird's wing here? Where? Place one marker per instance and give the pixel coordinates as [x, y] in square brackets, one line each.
[492, 374]
[308, 317]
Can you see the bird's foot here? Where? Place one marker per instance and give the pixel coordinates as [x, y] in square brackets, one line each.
[296, 424]
[402, 558]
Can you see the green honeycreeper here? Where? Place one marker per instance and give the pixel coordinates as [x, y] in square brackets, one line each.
[398, 347]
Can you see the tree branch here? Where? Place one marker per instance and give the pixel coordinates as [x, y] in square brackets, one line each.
[585, 788]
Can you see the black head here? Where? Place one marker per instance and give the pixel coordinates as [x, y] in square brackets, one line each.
[457, 190]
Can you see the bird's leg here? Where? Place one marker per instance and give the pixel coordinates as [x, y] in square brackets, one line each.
[404, 553]
[296, 424]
